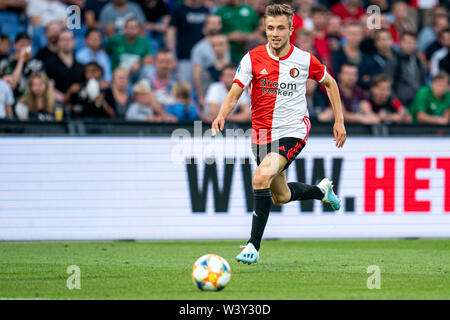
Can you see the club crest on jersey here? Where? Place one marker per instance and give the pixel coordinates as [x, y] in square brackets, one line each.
[294, 72]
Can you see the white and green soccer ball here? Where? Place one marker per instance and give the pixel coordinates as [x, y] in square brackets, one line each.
[211, 272]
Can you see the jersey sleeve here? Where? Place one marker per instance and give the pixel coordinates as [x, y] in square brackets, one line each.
[317, 71]
[244, 72]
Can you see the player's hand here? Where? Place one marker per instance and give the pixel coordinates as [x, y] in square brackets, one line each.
[217, 124]
[339, 134]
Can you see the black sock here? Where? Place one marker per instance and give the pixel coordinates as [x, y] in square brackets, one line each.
[262, 202]
[303, 191]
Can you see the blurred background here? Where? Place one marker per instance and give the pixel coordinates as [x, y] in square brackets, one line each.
[158, 61]
[92, 90]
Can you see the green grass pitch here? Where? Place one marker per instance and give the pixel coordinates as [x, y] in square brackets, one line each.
[288, 269]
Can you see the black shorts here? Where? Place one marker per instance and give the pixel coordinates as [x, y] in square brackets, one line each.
[288, 147]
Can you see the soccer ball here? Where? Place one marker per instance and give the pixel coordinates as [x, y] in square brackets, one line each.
[211, 272]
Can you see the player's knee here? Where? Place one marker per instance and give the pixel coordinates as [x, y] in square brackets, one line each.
[261, 181]
[280, 199]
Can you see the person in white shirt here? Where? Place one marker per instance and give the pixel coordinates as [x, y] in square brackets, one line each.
[6, 100]
[42, 12]
[216, 94]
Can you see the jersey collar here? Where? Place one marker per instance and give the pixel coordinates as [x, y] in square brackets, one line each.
[279, 58]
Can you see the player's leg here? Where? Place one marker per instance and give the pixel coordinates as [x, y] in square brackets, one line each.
[279, 189]
[267, 170]
[283, 192]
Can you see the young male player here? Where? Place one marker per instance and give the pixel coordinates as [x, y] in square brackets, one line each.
[277, 74]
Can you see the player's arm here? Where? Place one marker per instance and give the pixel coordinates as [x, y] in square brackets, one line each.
[333, 94]
[227, 106]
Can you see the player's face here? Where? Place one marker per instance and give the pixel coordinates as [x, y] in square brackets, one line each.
[278, 31]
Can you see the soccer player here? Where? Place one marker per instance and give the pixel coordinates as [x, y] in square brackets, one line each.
[277, 74]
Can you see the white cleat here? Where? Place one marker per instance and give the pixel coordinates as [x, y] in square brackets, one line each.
[326, 186]
[248, 255]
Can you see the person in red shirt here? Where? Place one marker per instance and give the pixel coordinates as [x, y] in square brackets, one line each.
[349, 10]
[302, 17]
[402, 21]
[386, 107]
[323, 53]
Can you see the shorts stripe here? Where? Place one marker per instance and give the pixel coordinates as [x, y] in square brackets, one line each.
[308, 126]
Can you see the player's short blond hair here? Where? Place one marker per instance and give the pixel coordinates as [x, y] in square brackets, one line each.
[275, 10]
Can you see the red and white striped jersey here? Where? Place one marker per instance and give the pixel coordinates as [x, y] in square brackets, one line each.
[278, 87]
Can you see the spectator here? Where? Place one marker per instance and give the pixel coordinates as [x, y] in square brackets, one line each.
[258, 5]
[63, 67]
[185, 30]
[5, 46]
[162, 81]
[158, 18]
[348, 10]
[441, 54]
[323, 53]
[19, 64]
[367, 44]
[129, 50]
[119, 94]
[355, 106]
[305, 41]
[444, 63]
[387, 108]
[216, 95]
[301, 18]
[38, 102]
[12, 17]
[92, 11]
[352, 53]
[428, 35]
[384, 52]
[222, 53]
[42, 12]
[432, 103]
[203, 54]
[183, 110]
[87, 100]
[145, 107]
[334, 33]
[259, 36]
[93, 51]
[436, 45]
[314, 98]
[116, 13]
[403, 22]
[52, 31]
[6, 100]
[406, 70]
[240, 22]
[382, 4]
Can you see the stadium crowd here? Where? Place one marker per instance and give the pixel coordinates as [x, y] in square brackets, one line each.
[174, 61]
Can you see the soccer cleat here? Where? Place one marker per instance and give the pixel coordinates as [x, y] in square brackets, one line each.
[326, 186]
[249, 255]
